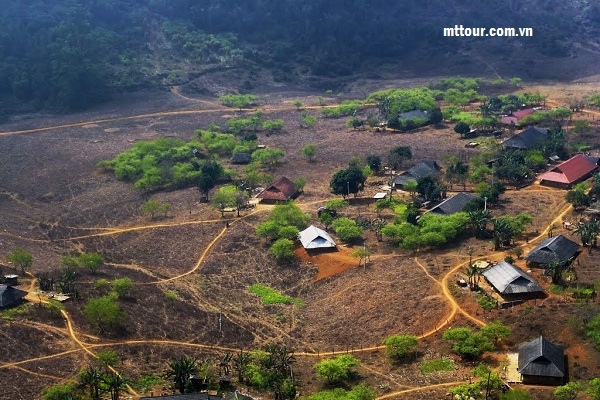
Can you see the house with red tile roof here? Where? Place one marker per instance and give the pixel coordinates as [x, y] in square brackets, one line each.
[281, 190]
[574, 170]
[515, 117]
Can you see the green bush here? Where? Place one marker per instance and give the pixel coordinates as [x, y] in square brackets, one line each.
[437, 365]
[347, 229]
[337, 370]
[271, 296]
[398, 346]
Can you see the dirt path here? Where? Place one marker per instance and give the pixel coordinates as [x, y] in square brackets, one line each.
[87, 348]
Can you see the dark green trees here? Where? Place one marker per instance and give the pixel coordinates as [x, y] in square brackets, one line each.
[347, 181]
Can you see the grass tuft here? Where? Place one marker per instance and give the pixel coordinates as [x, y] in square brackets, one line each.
[272, 296]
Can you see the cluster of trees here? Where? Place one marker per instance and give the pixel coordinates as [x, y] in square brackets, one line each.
[93, 382]
[72, 55]
[282, 228]
[471, 345]
[487, 384]
[21, 259]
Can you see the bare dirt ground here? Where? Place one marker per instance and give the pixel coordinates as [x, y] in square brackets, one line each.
[54, 202]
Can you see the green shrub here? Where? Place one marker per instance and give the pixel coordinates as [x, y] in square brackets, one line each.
[437, 365]
[271, 296]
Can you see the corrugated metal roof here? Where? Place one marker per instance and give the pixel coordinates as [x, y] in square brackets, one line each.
[508, 279]
[10, 295]
[527, 139]
[570, 171]
[418, 171]
[315, 238]
[454, 204]
[553, 249]
[540, 357]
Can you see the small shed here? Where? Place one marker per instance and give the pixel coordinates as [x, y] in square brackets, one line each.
[313, 238]
[10, 296]
[542, 362]
[379, 195]
[11, 280]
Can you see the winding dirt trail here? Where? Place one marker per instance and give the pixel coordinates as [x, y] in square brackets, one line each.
[86, 348]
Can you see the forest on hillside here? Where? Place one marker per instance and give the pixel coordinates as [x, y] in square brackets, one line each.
[71, 54]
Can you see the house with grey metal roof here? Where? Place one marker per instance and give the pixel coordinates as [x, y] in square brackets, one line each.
[10, 296]
[556, 248]
[511, 282]
[531, 138]
[416, 172]
[313, 238]
[542, 362]
[454, 204]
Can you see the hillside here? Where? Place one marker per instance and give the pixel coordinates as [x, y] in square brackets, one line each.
[72, 55]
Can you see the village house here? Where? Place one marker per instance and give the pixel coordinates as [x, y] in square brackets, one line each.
[541, 362]
[512, 283]
[530, 138]
[556, 248]
[281, 190]
[570, 172]
[416, 172]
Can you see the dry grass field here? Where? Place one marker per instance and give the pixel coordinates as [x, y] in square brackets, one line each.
[55, 202]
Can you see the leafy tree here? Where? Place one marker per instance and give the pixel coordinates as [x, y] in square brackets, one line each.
[398, 346]
[578, 198]
[593, 389]
[567, 391]
[468, 344]
[91, 261]
[462, 128]
[273, 126]
[224, 197]
[587, 231]
[326, 219]
[238, 100]
[122, 285]
[346, 181]
[362, 253]
[592, 330]
[347, 229]
[21, 259]
[374, 162]
[300, 183]
[108, 358]
[179, 371]
[283, 249]
[309, 151]
[398, 155]
[268, 158]
[429, 188]
[151, 207]
[60, 391]
[337, 370]
[457, 171]
[104, 312]
[495, 331]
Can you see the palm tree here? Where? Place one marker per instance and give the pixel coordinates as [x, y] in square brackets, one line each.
[587, 231]
[115, 383]
[554, 269]
[225, 363]
[91, 377]
[478, 219]
[240, 364]
[180, 370]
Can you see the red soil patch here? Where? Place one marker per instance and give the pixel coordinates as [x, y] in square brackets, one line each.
[329, 263]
